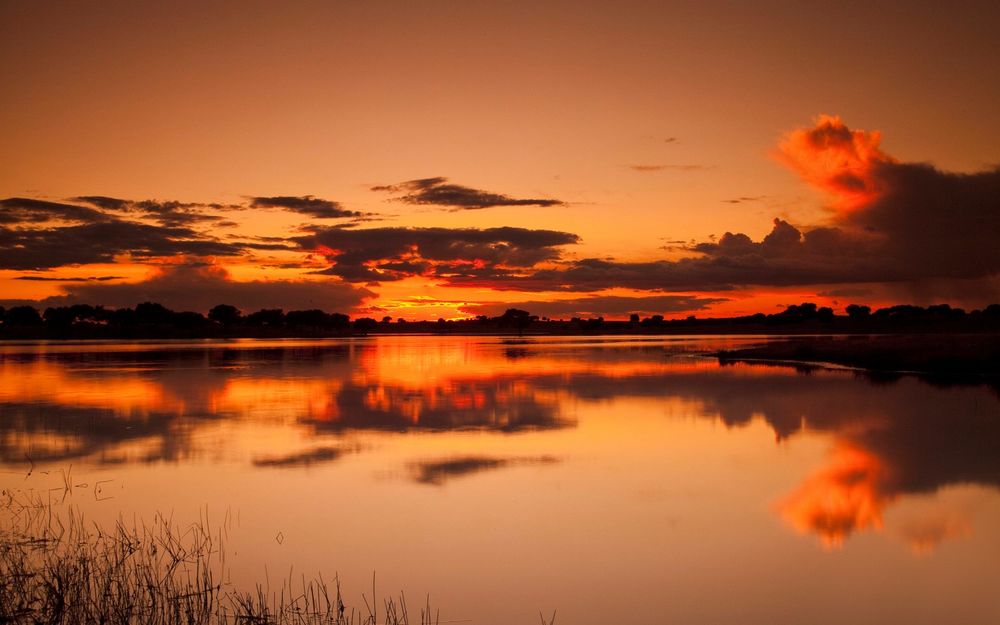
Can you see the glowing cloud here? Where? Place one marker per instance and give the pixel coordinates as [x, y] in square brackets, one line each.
[836, 159]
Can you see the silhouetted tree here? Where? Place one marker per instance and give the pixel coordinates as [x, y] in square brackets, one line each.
[655, 320]
[22, 316]
[272, 317]
[66, 316]
[59, 317]
[153, 313]
[313, 318]
[365, 324]
[517, 319]
[944, 311]
[122, 317]
[188, 319]
[338, 321]
[225, 314]
[796, 313]
[633, 318]
[858, 312]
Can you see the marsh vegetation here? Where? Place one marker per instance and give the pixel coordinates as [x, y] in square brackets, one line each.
[56, 567]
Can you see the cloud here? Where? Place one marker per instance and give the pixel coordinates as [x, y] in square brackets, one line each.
[846, 292]
[385, 254]
[439, 192]
[891, 222]
[601, 305]
[652, 168]
[165, 212]
[745, 198]
[306, 205]
[784, 257]
[58, 279]
[839, 160]
[103, 201]
[17, 210]
[198, 287]
[905, 226]
[101, 242]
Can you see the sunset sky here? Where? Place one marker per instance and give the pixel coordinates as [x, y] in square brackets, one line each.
[446, 159]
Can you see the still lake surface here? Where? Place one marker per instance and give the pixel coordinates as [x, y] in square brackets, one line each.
[614, 479]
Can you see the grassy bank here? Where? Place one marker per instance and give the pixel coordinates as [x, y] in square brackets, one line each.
[56, 568]
[942, 355]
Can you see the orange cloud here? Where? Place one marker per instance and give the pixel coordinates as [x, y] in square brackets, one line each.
[846, 496]
[836, 159]
[923, 536]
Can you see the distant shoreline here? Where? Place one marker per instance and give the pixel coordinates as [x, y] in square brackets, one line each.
[941, 355]
[150, 320]
[708, 327]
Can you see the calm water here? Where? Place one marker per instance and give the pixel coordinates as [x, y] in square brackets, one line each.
[615, 480]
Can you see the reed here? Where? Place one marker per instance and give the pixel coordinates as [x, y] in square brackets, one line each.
[56, 568]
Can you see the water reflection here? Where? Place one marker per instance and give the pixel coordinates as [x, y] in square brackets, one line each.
[167, 403]
[305, 458]
[436, 472]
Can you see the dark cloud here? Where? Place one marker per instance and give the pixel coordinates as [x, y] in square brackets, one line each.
[306, 205]
[894, 223]
[258, 245]
[846, 292]
[165, 212]
[902, 225]
[744, 199]
[602, 305]
[19, 210]
[103, 201]
[101, 242]
[198, 287]
[57, 279]
[439, 192]
[784, 257]
[383, 254]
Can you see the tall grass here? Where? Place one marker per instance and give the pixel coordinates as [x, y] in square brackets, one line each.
[56, 568]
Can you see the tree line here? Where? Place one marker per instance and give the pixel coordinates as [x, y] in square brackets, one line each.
[155, 320]
[155, 316]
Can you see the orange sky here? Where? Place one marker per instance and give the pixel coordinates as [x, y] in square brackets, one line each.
[654, 125]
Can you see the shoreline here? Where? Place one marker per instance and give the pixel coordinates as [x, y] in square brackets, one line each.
[945, 356]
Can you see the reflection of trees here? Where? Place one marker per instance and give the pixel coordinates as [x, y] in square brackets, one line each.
[504, 404]
[51, 433]
[893, 437]
[156, 398]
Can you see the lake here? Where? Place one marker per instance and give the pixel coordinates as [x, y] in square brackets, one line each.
[612, 479]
